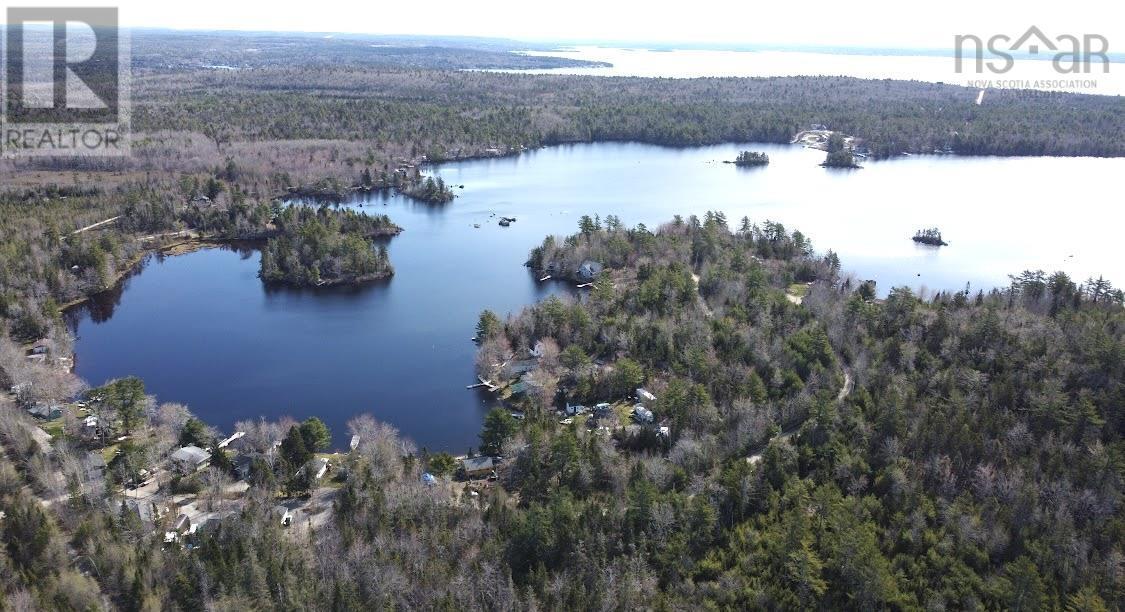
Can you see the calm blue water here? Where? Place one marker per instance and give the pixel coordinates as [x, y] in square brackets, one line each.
[202, 330]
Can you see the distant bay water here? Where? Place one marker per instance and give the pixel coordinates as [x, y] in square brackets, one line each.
[931, 67]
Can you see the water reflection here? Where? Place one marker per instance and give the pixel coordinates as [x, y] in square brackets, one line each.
[203, 330]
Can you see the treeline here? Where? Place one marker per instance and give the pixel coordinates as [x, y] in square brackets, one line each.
[439, 110]
[324, 246]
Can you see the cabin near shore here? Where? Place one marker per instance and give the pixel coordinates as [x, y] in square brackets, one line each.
[589, 270]
[478, 467]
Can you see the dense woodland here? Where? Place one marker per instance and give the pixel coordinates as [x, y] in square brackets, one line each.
[962, 451]
[326, 247]
[439, 110]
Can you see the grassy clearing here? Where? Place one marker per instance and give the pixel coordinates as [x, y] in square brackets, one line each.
[798, 290]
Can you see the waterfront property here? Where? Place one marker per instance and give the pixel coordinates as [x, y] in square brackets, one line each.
[402, 343]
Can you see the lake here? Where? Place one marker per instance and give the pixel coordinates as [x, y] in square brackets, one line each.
[202, 330]
[934, 68]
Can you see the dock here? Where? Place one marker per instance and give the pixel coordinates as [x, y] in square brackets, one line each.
[484, 383]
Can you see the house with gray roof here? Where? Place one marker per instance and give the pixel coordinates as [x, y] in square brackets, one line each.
[189, 459]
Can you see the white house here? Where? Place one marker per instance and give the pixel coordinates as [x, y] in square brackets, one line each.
[644, 395]
[573, 409]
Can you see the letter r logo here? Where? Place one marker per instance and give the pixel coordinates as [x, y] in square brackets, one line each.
[62, 65]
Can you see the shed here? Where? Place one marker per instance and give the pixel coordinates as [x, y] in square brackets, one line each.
[283, 515]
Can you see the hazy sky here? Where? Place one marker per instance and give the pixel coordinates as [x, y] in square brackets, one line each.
[871, 23]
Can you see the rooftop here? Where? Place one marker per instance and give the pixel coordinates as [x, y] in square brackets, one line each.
[473, 464]
[192, 454]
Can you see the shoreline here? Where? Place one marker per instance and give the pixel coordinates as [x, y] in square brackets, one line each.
[184, 247]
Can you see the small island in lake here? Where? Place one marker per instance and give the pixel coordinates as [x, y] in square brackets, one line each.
[840, 159]
[431, 191]
[930, 236]
[319, 247]
[751, 158]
